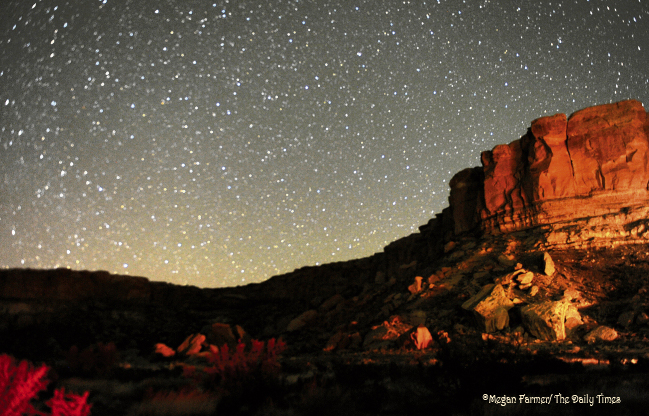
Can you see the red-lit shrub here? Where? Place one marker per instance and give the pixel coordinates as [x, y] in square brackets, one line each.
[19, 384]
[233, 374]
[69, 404]
[230, 371]
[261, 358]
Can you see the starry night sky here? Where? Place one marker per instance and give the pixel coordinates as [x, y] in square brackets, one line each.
[220, 143]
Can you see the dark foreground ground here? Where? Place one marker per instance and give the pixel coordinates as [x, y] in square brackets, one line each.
[464, 372]
[382, 383]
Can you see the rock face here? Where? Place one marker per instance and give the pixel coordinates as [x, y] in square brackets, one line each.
[593, 163]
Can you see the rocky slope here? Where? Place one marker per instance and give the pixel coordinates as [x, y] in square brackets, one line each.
[541, 251]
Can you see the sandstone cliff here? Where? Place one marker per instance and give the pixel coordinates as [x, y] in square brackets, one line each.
[565, 170]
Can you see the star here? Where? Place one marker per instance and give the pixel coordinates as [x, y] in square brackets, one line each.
[219, 144]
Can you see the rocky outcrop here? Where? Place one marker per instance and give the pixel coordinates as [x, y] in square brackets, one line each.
[591, 164]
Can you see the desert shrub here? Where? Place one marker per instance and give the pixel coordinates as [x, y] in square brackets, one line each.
[233, 374]
[21, 383]
[227, 366]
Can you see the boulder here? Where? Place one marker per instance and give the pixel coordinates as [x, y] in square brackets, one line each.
[601, 333]
[573, 318]
[219, 334]
[448, 247]
[507, 261]
[384, 335]
[302, 320]
[546, 320]
[335, 342]
[192, 345]
[164, 350]
[433, 278]
[345, 338]
[571, 294]
[626, 319]
[456, 255]
[525, 278]
[490, 308]
[509, 277]
[416, 286]
[378, 338]
[421, 337]
[331, 303]
[548, 264]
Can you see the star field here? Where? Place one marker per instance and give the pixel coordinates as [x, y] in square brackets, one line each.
[220, 143]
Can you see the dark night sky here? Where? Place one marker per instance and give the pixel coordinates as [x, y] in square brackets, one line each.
[220, 143]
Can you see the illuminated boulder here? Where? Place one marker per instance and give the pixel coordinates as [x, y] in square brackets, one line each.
[490, 307]
[546, 320]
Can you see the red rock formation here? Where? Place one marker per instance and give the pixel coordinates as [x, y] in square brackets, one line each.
[550, 158]
[503, 171]
[593, 163]
[608, 147]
